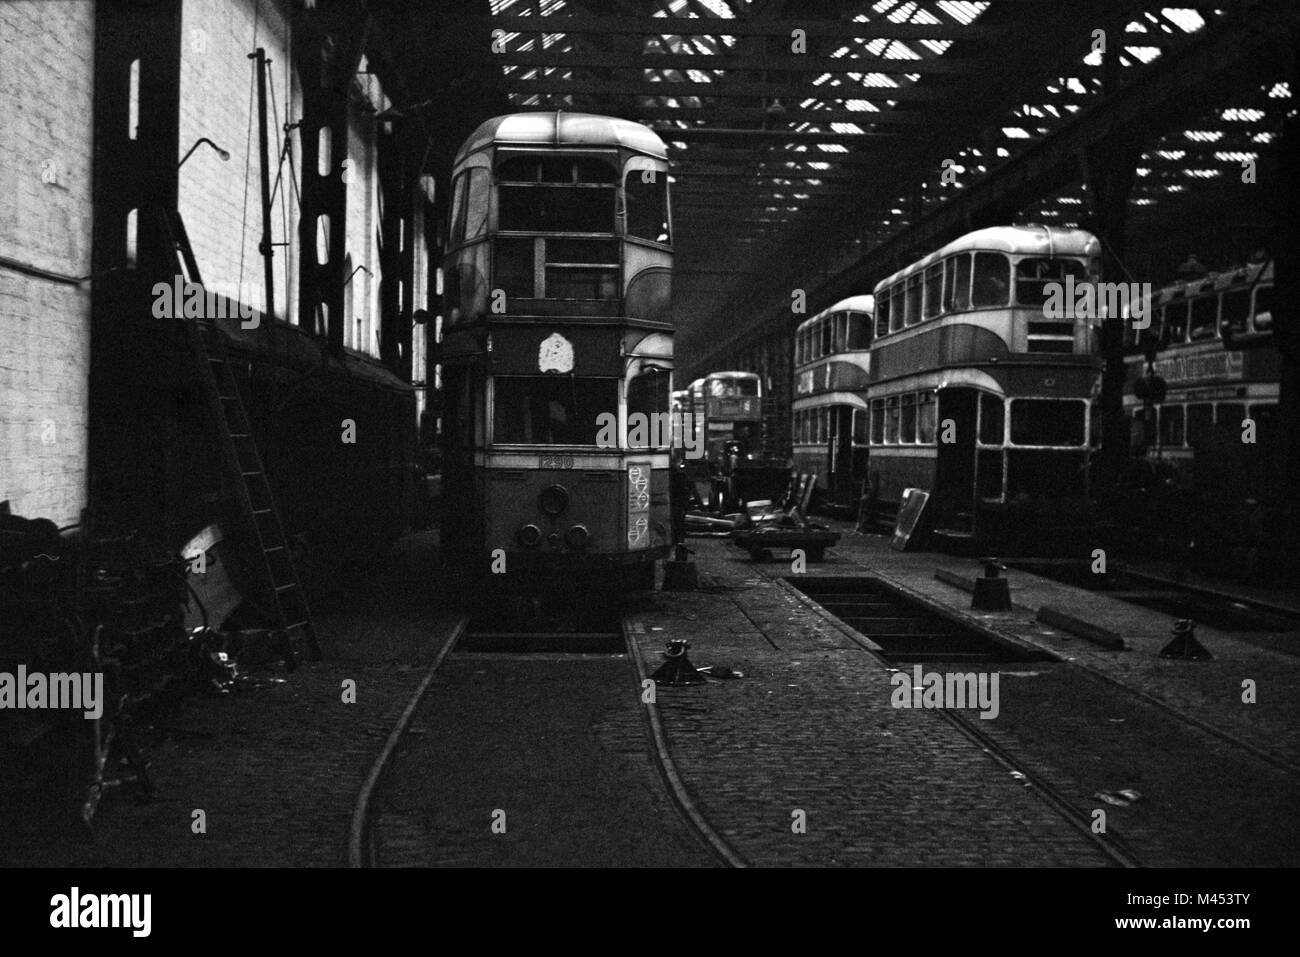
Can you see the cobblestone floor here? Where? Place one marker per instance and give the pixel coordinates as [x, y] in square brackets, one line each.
[810, 728]
[275, 766]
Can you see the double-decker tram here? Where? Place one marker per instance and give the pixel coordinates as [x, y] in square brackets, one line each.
[1210, 346]
[557, 351]
[830, 421]
[726, 415]
[979, 396]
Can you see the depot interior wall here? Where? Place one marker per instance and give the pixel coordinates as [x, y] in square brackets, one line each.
[221, 202]
[46, 98]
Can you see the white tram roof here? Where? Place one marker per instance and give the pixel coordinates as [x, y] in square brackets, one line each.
[558, 128]
[864, 303]
[729, 375]
[1033, 240]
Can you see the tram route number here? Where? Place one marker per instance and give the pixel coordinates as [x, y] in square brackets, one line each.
[555, 461]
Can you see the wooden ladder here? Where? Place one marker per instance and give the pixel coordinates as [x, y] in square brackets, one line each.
[242, 462]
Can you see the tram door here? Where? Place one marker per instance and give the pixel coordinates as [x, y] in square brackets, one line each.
[840, 481]
[954, 481]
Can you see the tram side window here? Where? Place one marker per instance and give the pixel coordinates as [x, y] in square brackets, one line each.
[992, 280]
[1047, 422]
[1229, 416]
[891, 420]
[897, 307]
[1263, 308]
[1235, 313]
[458, 191]
[1175, 329]
[841, 332]
[882, 313]
[827, 333]
[460, 389]
[1265, 416]
[912, 302]
[1204, 317]
[647, 394]
[1171, 426]
[907, 419]
[877, 421]
[925, 418]
[859, 330]
[550, 409]
[957, 284]
[991, 412]
[647, 205]
[933, 290]
[1199, 423]
[512, 267]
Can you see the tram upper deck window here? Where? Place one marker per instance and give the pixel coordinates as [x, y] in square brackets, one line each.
[550, 409]
[841, 331]
[992, 280]
[556, 194]
[725, 387]
[1175, 329]
[956, 283]
[647, 204]
[469, 205]
[1047, 422]
[897, 307]
[1204, 317]
[933, 290]
[912, 300]
[827, 336]
[1034, 274]
[1263, 308]
[859, 330]
[1234, 315]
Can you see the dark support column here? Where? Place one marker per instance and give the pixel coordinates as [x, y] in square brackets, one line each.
[1286, 332]
[328, 44]
[125, 457]
[1109, 172]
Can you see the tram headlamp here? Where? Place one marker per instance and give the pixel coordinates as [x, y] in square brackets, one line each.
[530, 536]
[578, 536]
[553, 500]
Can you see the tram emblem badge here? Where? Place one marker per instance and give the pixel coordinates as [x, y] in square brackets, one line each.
[555, 354]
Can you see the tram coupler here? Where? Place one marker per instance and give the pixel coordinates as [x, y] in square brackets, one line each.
[678, 670]
[992, 591]
[1184, 645]
[679, 571]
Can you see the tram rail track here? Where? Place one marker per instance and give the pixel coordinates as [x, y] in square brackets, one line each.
[466, 643]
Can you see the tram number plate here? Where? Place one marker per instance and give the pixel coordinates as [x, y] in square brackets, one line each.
[555, 462]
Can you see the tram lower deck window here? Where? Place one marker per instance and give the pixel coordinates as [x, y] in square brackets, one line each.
[1047, 422]
[550, 409]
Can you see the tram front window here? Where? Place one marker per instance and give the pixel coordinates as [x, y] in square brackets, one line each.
[549, 409]
[1047, 422]
[1033, 276]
